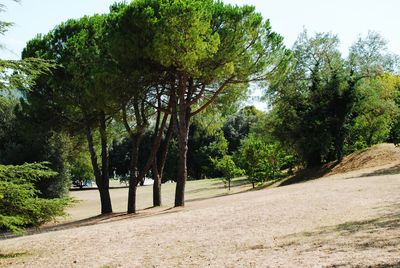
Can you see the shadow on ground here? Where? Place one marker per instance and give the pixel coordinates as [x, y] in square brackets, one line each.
[309, 174]
[388, 265]
[318, 172]
[380, 233]
[384, 171]
[143, 213]
[99, 219]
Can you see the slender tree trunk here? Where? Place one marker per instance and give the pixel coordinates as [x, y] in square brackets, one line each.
[156, 185]
[104, 186]
[158, 166]
[182, 126]
[133, 179]
[164, 153]
[136, 176]
[182, 173]
[104, 194]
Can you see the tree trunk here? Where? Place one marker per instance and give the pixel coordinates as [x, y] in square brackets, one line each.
[104, 193]
[104, 186]
[133, 179]
[182, 121]
[164, 153]
[159, 164]
[105, 200]
[132, 196]
[156, 185]
[182, 166]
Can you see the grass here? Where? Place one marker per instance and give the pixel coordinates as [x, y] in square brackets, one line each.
[12, 255]
[89, 205]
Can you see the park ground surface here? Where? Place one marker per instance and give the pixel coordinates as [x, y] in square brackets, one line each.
[349, 219]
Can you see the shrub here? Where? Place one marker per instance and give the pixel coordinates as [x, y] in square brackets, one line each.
[263, 161]
[20, 205]
[227, 167]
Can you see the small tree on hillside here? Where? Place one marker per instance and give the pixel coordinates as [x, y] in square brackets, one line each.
[261, 160]
[228, 168]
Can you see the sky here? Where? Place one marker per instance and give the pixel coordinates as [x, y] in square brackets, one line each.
[349, 19]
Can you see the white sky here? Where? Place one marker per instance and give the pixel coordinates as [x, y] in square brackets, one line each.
[347, 18]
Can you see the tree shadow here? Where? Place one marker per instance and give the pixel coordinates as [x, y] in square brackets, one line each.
[223, 194]
[234, 183]
[393, 170]
[388, 265]
[113, 217]
[95, 220]
[382, 232]
[309, 174]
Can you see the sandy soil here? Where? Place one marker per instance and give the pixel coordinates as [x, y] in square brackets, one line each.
[345, 220]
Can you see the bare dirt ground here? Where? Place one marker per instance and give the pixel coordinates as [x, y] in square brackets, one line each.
[375, 156]
[88, 200]
[342, 220]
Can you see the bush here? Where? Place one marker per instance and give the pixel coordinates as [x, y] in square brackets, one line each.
[263, 161]
[81, 170]
[227, 167]
[20, 205]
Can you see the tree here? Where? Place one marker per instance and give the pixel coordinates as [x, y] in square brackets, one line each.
[261, 160]
[394, 135]
[227, 167]
[78, 94]
[238, 126]
[211, 49]
[20, 204]
[7, 123]
[314, 104]
[25, 139]
[80, 169]
[376, 110]
[19, 74]
[142, 89]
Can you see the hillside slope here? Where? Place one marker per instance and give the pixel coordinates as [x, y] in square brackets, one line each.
[375, 156]
[342, 220]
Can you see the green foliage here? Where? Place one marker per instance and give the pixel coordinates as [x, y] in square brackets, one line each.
[239, 125]
[394, 135]
[227, 167]
[184, 38]
[261, 160]
[7, 120]
[26, 140]
[202, 147]
[20, 205]
[376, 111]
[19, 74]
[206, 141]
[182, 56]
[324, 99]
[80, 169]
